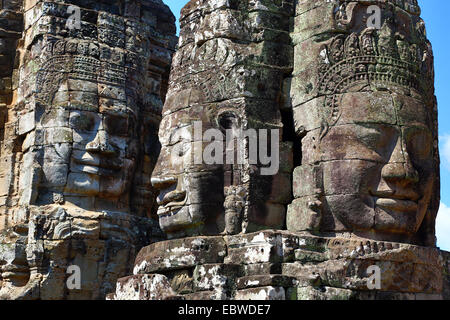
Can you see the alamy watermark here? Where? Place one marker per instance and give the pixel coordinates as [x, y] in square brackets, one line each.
[374, 280]
[374, 20]
[374, 12]
[74, 280]
[74, 20]
[237, 146]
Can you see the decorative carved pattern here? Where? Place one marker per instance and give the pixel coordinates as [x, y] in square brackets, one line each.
[364, 60]
[235, 198]
[58, 68]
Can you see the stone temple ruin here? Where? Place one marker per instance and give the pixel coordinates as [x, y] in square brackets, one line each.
[100, 105]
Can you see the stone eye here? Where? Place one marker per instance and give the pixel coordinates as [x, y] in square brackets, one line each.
[116, 125]
[82, 123]
[419, 144]
[181, 148]
[228, 120]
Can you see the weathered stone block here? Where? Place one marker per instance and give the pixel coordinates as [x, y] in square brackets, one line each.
[180, 253]
[143, 287]
[261, 268]
[181, 281]
[325, 293]
[201, 295]
[26, 123]
[262, 293]
[265, 280]
[261, 247]
[302, 214]
[216, 276]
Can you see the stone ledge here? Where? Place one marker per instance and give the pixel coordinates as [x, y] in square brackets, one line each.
[180, 253]
[143, 287]
[276, 280]
[303, 266]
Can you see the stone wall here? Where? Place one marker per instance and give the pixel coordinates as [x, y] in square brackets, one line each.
[281, 265]
[10, 37]
[11, 31]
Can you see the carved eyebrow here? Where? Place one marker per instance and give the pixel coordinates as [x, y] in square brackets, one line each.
[374, 125]
[120, 114]
[78, 107]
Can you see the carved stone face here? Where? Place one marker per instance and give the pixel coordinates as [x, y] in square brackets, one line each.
[372, 173]
[102, 162]
[377, 164]
[14, 268]
[190, 196]
[365, 111]
[91, 142]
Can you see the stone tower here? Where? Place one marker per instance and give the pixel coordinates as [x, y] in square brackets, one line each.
[82, 87]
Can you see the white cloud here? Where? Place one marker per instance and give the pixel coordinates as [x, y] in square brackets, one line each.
[445, 150]
[443, 227]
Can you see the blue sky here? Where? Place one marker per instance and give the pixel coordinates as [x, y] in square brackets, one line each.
[435, 13]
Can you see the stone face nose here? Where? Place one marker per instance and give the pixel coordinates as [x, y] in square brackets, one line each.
[400, 168]
[100, 144]
[163, 182]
